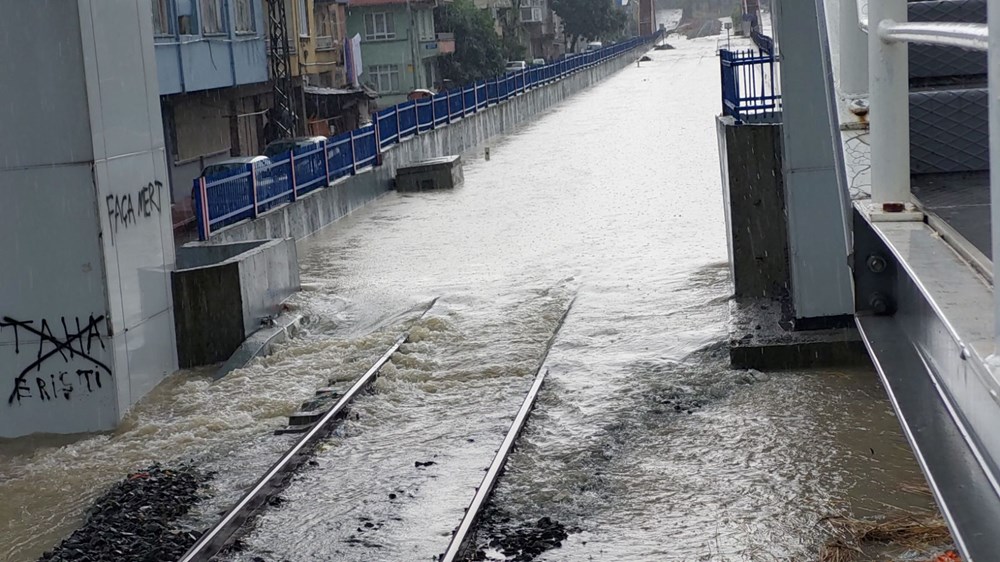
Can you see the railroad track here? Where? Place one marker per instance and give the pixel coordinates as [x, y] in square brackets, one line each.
[215, 540]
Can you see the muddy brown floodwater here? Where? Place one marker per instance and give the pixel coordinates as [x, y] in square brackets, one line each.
[644, 443]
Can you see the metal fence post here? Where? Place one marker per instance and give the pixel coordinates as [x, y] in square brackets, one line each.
[253, 187]
[205, 224]
[890, 109]
[354, 155]
[993, 21]
[291, 164]
[447, 95]
[399, 127]
[433, 113]
[463, 103]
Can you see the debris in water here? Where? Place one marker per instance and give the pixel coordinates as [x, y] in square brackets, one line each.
[920, 533]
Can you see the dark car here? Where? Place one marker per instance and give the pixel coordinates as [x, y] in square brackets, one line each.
[281, 147]
[230, 166]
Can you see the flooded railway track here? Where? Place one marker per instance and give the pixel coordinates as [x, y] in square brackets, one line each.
[221, 535]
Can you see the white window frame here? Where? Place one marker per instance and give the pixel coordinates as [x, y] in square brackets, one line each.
[207, 16]
[303, 18]
[166, 28]
[327, 19]
[426, 26]
[244, 17]
[372, 31]
[384, 77]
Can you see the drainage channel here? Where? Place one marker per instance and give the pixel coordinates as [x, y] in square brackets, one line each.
[215, 540]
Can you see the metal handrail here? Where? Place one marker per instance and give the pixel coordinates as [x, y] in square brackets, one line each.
[972, 36]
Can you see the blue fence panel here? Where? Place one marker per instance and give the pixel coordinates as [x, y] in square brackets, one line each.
[440, 108]
[388, 127]
[229, 197]
[492, 92]
[470, 99]
[455, 103]
[274, 184]
[482, 99]
[310, 169]
[425, 114]
[407, 112]
[365, 150]
[340, 155]
[749, 89]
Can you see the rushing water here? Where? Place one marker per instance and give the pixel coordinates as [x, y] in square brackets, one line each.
[612, 198]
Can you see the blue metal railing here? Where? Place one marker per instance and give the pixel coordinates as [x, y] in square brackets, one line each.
[749, 86]
[220, 201]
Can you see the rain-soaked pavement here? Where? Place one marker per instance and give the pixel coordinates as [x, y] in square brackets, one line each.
[644, 444]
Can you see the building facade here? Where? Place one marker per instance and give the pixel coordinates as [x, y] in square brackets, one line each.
[211, 61]
[86, 311]
[399, 46]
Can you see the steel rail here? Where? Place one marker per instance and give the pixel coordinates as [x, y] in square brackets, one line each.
[212, 542]
[463, 533]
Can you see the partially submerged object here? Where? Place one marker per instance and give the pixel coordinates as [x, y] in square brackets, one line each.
[437, 173]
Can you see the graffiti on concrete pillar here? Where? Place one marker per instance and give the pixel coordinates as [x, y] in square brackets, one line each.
[61, 363]
[125, 211]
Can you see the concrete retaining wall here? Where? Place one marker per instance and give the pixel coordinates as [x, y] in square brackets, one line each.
[322, 207]
[224, 293]
[754, 195]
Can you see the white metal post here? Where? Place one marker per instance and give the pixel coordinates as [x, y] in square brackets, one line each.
[890, 108]
[853, 51]
[993, 20]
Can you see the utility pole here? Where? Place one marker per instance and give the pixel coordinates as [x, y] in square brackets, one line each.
[283, 108]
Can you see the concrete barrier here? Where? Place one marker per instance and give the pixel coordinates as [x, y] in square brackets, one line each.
[324, 206]
[224, 292]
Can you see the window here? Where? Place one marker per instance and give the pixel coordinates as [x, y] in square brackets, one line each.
[379, 26]
[303, 19]
[327, 25]
[385, 77]
[425, 23]
[161, 18]
[245, 22]
[187, 17]
[213, 21]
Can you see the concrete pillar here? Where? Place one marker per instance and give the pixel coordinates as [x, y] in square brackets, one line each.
[821, 280]
[86, 317]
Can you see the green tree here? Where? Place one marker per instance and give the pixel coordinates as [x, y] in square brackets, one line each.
[589, 20]
[479, 53]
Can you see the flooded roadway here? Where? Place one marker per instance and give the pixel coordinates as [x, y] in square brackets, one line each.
[643, 440]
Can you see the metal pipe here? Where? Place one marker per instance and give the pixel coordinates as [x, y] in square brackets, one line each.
[888, 77]
[853, 51]
[972, 36]
[993, 17]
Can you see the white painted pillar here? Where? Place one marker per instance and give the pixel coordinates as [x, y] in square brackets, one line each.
[853, 52]
[86, 316]
[993, 15]
[890, 107]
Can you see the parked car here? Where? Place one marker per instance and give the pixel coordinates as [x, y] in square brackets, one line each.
[419, 94]
[538, 62]
[594, 46]
[516, 66]
[230, 166]
[281, 147]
